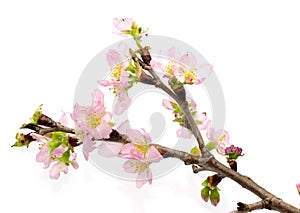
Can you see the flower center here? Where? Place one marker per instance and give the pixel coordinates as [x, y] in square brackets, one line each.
[142, 148]
[93, 120]
[116, 73]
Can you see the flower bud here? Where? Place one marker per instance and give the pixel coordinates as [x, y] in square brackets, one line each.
[205, 193]
[298, 187]
[214, 197]
[23, 140]
[145, 54]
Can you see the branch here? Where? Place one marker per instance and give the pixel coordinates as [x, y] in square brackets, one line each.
[198, 163]
[182, 103]
[243, 208]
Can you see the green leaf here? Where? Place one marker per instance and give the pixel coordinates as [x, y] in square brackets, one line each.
[179, 120]
[65, 157]
[210, 146]
[36, 115]
[60, 136]
[196, 151]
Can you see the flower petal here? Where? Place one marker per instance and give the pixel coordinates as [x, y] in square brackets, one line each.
[153, 155]
[131, 166]
[167, 104]
[57, 168]
[183, 133]
[123, 24]
[109, 149]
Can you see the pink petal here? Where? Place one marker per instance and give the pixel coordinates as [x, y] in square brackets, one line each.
[157, 65]
[105, 83]
[183, 133]
[73, 160]
[40, 138]
[98, 101]
[107, 117]
[144, 177]
[102, 131]
[172, 53]
[87, 147]
[59, 151]
[43, 156]
[131, 166]
[109, 149]
[153, 155]
[129, 151]
[167, 104]
[57, 168]
[123, 104]
[124, 127]
[123, 24]
[64, 119]
[113, 58]
[188, 59]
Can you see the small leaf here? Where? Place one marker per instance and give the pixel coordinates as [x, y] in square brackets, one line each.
[179, 120]
[210, 146]
[65, 157]
[196, 151]
[37, 114]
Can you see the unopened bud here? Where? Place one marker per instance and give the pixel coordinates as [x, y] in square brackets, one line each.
[145, 54]
[214, 197]
[205, 193]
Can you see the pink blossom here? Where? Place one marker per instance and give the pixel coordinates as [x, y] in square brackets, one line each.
[119, 78]
[219, 138]
[140, 162]
[48, 156]
[93, 119]
[140, 154]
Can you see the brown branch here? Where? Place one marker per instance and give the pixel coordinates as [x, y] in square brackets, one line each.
[198, 164]
[243, 208]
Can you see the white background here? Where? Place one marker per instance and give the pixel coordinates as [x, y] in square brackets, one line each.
[253, 45]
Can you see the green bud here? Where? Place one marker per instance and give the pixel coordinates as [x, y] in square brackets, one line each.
[214, 197]
[37, 114]
[196, 151]
[205, 193]
[22, 140]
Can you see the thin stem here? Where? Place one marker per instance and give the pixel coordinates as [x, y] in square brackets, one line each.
[184, 107]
